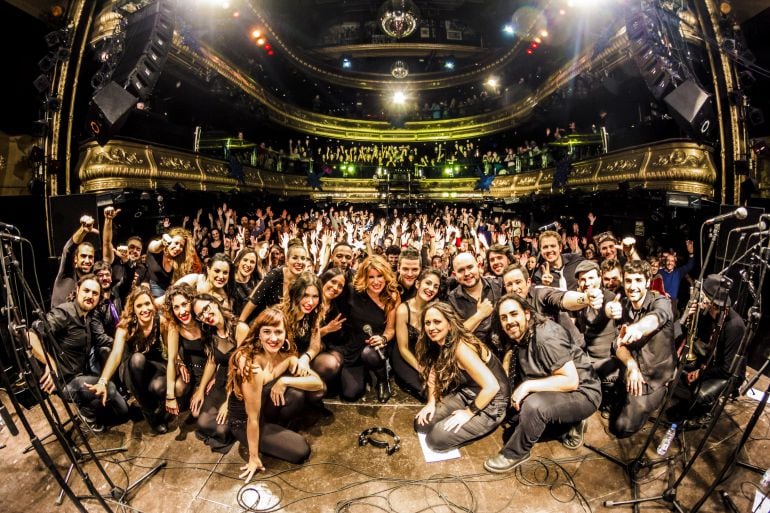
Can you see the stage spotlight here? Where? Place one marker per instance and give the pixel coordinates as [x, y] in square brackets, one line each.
[449, 63]
[399, 98]
[55, 38]
[492, 82]
[347, 63]
[508, 29]
[256, 33]
[46, 63]
[261, 41]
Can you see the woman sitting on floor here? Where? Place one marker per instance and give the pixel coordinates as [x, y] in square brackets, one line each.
[266, 383]
[467, 388]
[222, 333]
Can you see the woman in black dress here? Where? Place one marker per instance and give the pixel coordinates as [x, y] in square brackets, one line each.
[370, 326]
[408, 330]
[468, 390]
[222, 333]
[329, 362]
[276, 283]
[170, 258]
[138, 353]
[266, 385]
[246, 278]
[184, 343]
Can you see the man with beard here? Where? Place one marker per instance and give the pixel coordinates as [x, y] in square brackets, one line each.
[644, 347]
[474, 298]
[699, 388]
[498, 258]
[67, 353]
[612, 276]
[128, 269]
[598, 329]
[555, 382]
[409, 268]
[77, 260]
[557, 270]
[104, 319]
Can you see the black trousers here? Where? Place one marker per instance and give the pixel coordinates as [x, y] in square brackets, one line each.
[540, 409]
[406, 374]
[632, 411]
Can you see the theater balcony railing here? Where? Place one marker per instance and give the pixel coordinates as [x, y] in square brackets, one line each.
[671, 165]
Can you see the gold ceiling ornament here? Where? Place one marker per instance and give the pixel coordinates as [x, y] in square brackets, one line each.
[398, 18]
[381, 81]
[399, 69]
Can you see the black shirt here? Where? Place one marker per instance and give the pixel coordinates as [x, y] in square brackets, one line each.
[655, 353]
[69, 328]
[155, 272]
[599, 331]
[465, 306]
[104, 320]
[269, 292]
[727, 345]
[548, 350]
[569, 262]
[361, 310]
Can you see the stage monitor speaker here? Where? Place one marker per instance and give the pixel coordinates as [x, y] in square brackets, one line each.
[108, 110]
[65, 219]
[691, 106]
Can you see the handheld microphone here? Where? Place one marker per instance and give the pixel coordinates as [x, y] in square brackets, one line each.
[369, 333]
[750, 228]
[549, 226]
[738, 213]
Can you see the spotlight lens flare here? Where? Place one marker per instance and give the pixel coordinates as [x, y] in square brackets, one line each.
[399, 98]
[256, 33]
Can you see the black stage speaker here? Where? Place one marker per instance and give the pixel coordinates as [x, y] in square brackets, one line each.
[691, 107]
[108, 110]
[65, 219]
[148, 39]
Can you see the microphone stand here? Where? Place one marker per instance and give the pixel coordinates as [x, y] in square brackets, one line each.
[669, 495]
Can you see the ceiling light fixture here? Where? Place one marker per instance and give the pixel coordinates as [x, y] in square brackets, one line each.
[399, 70]
[398, 18]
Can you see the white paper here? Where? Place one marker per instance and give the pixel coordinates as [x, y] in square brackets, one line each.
[765, 507]
[431, 455]
[755, 394]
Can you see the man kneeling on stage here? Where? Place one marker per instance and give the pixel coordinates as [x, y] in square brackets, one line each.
[717, 339]
[645, 347]
[556, 383]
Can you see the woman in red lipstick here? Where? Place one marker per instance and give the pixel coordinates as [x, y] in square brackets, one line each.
[184, 344]
[219, 280]
[303, 309]
[137, 353]
[408, 330]
[266, 385]
[222, 333]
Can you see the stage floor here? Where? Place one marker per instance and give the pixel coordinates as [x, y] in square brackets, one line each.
[340, 472]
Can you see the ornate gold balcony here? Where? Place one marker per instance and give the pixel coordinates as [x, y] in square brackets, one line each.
[673, 165]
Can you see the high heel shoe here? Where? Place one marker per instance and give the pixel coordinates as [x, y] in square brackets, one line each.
[383, 391]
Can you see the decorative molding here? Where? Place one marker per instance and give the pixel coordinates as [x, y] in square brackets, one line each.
[306, 121]
[674, 165]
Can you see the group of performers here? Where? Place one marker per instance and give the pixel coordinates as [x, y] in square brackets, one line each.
[248, 348]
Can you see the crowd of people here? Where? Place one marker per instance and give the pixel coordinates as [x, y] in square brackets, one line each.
[251, 319]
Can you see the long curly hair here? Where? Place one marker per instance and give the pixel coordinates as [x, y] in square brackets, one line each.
[252, 347]
[186, 262]
[208, 331]
[389, 295]
[183, 289]
[291, 308]
[129, 322]
[441, 360]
